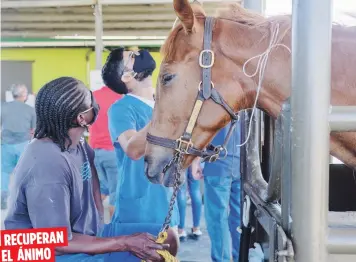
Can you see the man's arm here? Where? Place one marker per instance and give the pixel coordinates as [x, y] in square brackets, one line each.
[95, 181]
[49, 206]
[197, 171]
[142, 245]
[96, 192]
[123, 130]
[93, 245]
[133, 142]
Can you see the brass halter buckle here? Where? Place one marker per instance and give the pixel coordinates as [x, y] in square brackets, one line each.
[183, 145]
[201, 62]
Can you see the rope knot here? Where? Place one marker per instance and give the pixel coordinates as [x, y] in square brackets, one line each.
[168, 257]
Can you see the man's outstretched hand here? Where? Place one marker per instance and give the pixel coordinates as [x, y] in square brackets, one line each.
[144, 246]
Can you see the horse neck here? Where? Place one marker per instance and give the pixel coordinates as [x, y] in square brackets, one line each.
[255, 41]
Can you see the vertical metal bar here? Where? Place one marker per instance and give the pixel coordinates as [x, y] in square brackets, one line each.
[258, 132]
[275, 156]
[246, 229]
[286, 168]
[268, 146]
[311, 65]
[272, 241]
[98, 34]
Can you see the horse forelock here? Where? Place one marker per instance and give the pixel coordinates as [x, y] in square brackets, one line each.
[168, 49]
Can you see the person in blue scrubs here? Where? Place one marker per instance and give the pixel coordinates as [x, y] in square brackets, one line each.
[137, 200]
[193, 186]
[222, 199]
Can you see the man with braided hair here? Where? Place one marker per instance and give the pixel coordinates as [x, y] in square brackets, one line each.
[56, 184]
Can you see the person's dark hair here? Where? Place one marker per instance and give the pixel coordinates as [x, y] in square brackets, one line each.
[114, 68]
[57, 105]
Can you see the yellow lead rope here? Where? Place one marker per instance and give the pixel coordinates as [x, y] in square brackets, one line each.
[164, 253]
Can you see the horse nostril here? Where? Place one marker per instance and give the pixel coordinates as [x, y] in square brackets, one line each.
[146, 167]
[147, 159]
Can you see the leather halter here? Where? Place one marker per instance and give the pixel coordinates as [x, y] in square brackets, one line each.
[206, 90]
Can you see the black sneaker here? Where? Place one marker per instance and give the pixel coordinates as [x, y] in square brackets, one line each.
[182, 236]
[195, 235]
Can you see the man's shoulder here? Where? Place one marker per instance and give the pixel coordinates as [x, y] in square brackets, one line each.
[43, 147]
[121, 104]
[26, 107]
[18, 108]
[45, 152]
[44, 161]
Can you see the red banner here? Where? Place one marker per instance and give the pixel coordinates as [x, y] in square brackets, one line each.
[31, 244]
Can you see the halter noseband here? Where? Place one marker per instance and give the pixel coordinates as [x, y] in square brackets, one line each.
[184, 144]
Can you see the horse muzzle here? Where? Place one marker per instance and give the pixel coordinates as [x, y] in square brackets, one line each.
[153, 171]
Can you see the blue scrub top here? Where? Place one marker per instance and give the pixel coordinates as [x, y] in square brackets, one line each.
[137, 199]
[230, 166]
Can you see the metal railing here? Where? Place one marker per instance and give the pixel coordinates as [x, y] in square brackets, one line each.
[299, 168]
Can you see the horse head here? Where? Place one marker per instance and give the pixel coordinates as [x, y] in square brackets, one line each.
[187, 60]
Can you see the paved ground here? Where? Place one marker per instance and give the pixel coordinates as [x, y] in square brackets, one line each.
[195, 251]
[190, 250]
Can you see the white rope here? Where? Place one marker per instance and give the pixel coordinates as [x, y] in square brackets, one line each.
[261, 67]
[175, 22]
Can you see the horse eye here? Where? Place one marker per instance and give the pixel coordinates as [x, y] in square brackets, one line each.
[166, 78]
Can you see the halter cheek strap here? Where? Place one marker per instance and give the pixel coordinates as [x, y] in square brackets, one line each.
[206, 90]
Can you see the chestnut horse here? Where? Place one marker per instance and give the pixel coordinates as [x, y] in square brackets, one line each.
[237, 36]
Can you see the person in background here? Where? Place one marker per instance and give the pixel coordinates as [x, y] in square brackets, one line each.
[18, 121]
[222, 198]
[137, 200]
[56, 184]
[99, 140]
[193, 184]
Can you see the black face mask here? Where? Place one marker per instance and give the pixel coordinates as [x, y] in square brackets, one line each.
[114, 68]
[144, 61]
[95, 107]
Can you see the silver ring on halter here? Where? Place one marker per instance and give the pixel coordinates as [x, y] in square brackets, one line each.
[201, 82]
[222, 149]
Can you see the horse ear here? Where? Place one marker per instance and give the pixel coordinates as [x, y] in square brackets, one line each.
[198, 9]
[185, 14]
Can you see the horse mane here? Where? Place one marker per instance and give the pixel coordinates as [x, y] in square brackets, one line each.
[236, 13]
[167, 51]
[232, 12]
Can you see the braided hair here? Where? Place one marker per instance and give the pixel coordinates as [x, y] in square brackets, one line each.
[58, 103]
